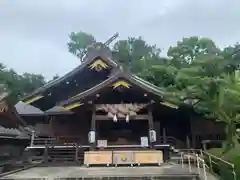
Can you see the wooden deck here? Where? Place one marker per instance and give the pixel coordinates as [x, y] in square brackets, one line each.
[167, 171]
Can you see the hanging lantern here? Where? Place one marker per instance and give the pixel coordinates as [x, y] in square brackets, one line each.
[127, 118]
[91, 137]
[115, 118]
[152, 136]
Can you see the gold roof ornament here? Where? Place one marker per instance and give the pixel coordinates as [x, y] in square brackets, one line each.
[35, 98]
[72, 106]
[121, 83]
[169, 104]
[98, 65]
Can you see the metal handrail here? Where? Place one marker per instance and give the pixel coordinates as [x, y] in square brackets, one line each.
[200, 163]
[212, 160]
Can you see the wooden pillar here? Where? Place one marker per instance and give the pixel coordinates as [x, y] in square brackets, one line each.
[192, 135]
[188, 142]
[45, 154]
[76, 152]
[150, 119]
[194, 141]
[158, 132]
[93, 126]
[164, 136]
[150, 125]
[51, 122]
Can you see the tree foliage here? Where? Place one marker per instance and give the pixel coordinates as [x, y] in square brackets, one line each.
[79, 42]
[18, 85]
[195, 72]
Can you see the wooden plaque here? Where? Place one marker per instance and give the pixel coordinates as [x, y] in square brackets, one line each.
[102, 143]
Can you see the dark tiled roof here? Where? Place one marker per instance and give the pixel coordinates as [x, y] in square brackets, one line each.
[121, 74]
[26, 109]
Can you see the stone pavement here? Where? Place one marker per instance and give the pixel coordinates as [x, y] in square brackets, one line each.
[161, 172]
[167, 170]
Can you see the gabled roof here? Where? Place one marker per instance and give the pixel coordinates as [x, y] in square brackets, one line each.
[147, 86]
[92, 54]
[9, 112]
[27, 110]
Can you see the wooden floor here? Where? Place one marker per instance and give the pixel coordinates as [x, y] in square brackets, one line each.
[164, 171]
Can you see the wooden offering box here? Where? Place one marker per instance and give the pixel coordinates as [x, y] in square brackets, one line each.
[123, 157]
[148, 157]
[98, 158]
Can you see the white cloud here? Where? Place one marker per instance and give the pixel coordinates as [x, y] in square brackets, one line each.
[34, 33]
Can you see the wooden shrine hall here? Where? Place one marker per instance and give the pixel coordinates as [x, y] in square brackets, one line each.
[112, 116]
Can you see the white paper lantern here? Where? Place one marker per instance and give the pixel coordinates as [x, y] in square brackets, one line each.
[91, 136]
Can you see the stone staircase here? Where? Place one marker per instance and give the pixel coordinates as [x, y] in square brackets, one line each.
[61, 154]
[193, 162]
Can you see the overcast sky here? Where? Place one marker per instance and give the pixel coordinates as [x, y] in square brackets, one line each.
[34, 33]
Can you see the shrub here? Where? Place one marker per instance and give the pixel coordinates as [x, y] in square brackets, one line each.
[222, 169]
[233, 156]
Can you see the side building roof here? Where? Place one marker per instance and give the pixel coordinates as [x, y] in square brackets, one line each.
[8, 113]
[27, 110]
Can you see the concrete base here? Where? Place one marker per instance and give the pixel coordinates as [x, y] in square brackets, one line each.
[167, 171]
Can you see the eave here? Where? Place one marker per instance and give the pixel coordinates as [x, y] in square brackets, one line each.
[113, 80]
[88, 60]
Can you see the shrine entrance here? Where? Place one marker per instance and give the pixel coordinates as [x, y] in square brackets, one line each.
[122, 132]
[123, 124]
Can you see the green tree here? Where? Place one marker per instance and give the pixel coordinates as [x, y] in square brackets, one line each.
[135, 54]
[19, 85]
[188, 49]
[79, 42]
[196, 72]
[232, 54]
[210, 91]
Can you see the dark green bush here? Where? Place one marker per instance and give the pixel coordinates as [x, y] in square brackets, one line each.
[222, 169]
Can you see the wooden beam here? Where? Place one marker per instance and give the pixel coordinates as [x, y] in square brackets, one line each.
[137, 117]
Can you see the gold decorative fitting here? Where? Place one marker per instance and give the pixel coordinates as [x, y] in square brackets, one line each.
[121, 83]
[36, 98]
[72, 106]
[169, 105]
[98, 65]
[124, 157]
[2, 110]
[3, 107]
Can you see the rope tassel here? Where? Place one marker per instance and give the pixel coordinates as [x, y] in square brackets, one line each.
[127, 118]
